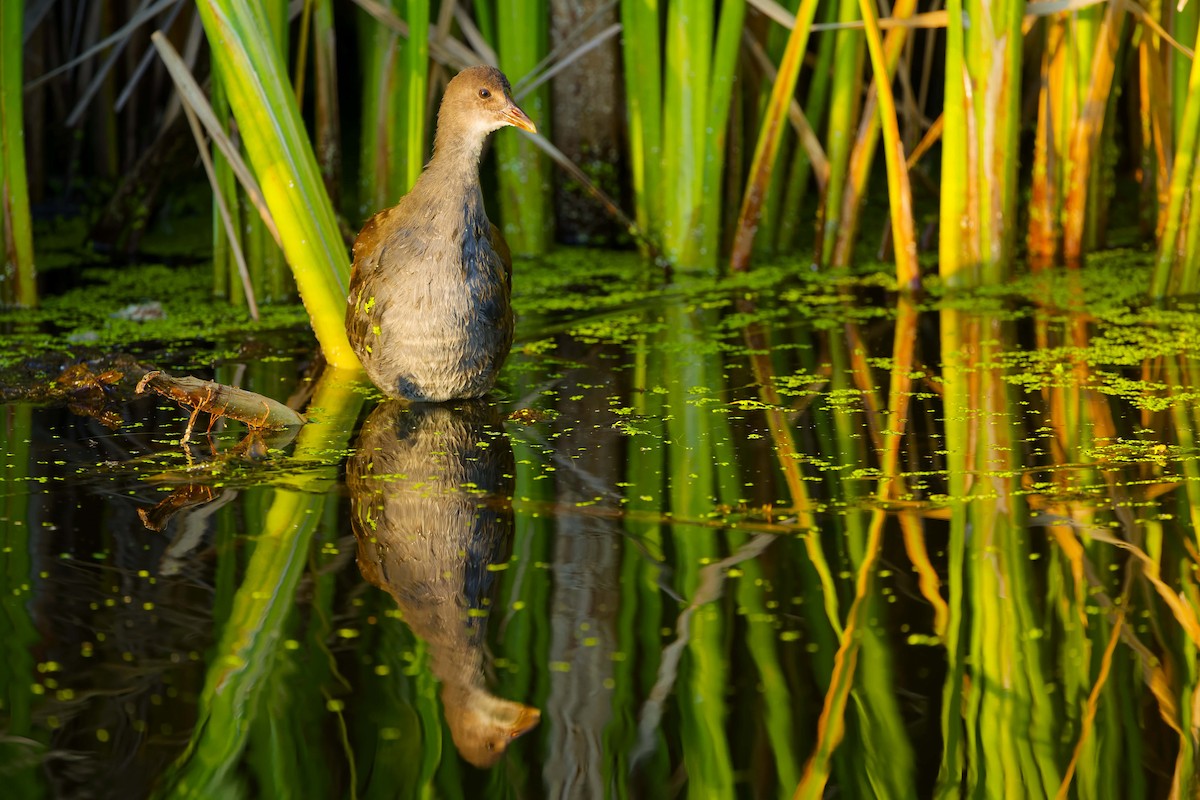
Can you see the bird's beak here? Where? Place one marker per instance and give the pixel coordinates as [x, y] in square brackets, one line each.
[516, 117]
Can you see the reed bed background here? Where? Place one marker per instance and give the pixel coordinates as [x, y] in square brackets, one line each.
[1040, 117]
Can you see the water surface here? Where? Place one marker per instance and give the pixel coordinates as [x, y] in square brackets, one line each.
[710, 539]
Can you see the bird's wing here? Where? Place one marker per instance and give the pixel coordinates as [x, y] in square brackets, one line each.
[362, 312]
[496, 239]
[368, 237]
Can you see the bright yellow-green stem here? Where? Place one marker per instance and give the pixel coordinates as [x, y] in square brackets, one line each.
[899, 190]
[282, 158]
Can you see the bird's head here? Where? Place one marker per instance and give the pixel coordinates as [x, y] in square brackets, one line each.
[479, 100]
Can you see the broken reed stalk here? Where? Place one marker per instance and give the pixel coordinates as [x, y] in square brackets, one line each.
[218, 400]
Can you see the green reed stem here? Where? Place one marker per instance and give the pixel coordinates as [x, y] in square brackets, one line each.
[416, 57]
[694, 491]
[844, 102]
[982, 117]
[526, 213]
[225, 276]
[1086, 152]
[678, 121]
[383, 171]
[899, 188]
[18, 279]
[862, 157]
[644, 110]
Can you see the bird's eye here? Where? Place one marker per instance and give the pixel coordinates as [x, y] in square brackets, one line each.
[485, 94]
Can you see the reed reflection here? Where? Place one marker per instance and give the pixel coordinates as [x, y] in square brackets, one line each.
[427, 486]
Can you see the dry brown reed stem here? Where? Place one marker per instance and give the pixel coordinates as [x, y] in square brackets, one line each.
[1042, 240]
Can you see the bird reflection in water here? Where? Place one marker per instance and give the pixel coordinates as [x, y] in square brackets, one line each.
[427, 487]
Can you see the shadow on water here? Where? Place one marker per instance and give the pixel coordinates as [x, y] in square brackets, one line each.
[765, 536]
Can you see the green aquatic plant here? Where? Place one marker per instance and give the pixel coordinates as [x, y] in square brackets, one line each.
[255, 79]
[18, 280]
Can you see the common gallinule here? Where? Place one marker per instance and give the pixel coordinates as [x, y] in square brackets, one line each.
[429, 313]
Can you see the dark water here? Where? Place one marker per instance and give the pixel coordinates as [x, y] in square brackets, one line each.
[711, 540]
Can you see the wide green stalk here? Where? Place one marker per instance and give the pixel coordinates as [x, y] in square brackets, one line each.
[526, 213]
[282, 158]
[707, 217]
[644, 112]
[1173, 257]
[1184, 25]
[679, 133]
[982, 118]
[688, 49]
[994, 63]
[18, 280]
[416, 57]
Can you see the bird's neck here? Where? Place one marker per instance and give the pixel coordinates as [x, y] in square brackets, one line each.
[457, 154]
